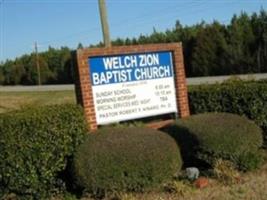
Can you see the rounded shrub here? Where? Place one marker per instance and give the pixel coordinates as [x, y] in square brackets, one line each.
[126, 159]
[204, 138]
[34, 145]
[246, 98]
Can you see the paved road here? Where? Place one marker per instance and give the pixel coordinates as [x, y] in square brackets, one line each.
[36, 88]
[219, 79]
[190, 81]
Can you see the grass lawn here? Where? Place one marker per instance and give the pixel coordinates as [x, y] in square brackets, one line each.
[16, 100]
[253, 186]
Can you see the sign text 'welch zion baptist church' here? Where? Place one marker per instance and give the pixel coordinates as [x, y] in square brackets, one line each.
[131, 82]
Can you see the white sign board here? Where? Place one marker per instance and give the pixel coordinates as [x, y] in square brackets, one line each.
[132, 86]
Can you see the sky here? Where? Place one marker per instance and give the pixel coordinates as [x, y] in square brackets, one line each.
[59, 23]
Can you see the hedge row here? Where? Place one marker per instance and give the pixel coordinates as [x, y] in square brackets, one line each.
[248, 98]
[34, 146]
[139, 158]
[36, 142]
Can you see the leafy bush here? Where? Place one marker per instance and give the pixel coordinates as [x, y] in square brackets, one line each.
[125, 159]
[204, 138]
[247, 98]
[34, 145]
[251, 160]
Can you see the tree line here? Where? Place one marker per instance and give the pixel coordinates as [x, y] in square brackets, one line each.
[239, 47]
[55, 68]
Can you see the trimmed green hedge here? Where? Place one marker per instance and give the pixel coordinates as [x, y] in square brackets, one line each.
[204, 138]
[248, 98]
[34, 145]
[126, 159]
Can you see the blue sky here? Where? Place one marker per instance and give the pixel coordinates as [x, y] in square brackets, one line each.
[59, 23]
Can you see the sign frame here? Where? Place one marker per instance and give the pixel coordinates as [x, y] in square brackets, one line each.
[83, 83]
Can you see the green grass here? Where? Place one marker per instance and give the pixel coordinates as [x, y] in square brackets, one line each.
[252, 187]
[17, 100]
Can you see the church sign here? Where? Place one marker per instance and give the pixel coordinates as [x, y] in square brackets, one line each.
[131, 82]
